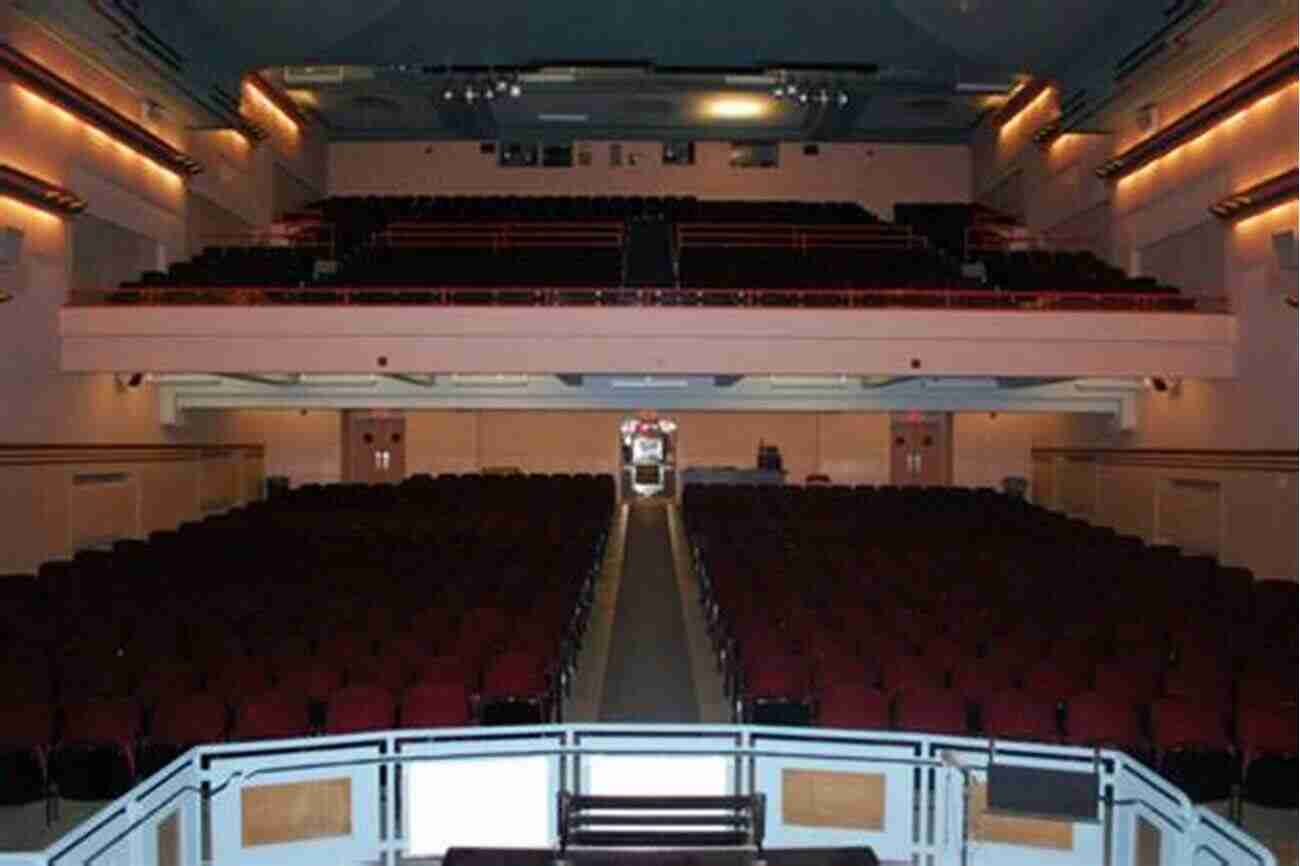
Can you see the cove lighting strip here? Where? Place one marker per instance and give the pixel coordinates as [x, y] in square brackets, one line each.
[1021, 101]
[1258, 198]
[39, 193]
[1262, 83]
[271, 100]
[71, 98]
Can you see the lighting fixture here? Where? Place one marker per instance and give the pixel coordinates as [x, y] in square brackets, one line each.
[284, 109]
[1069, 109]
[1027, 96]
[474, 87]
[1263, 82]
[39, 193]
[52, 88]
[739, 107]
[1259, 197]
[822, 91]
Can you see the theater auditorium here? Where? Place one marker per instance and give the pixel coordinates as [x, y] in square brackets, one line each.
[614, 433]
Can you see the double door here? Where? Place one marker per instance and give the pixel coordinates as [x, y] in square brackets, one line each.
[919, 452]
[376, 448]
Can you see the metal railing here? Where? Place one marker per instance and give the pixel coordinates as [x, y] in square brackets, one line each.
[613, 296]
[202, 808]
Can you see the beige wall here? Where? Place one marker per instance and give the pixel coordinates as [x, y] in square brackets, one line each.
[59, 499]
[877, 175]
[1239, 506]
[850, 447]
[1258, 408]
[39, 403]
[304, 445]
[991, 446]
[1131, 220]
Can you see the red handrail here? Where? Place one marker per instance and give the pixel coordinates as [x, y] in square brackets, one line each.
[434, 295]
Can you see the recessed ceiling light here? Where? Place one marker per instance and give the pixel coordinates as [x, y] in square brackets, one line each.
[738, 107]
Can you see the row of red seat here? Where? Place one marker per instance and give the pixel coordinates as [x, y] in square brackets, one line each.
[323, 611]
[957, 611]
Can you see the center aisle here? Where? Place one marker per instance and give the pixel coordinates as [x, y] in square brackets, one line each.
[648, 675]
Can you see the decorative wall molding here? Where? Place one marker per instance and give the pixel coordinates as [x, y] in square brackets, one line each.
[39, 193]
[90, 109]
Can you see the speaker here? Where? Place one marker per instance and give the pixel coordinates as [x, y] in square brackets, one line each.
[11, 248]
[1284, 247]
[11, 254]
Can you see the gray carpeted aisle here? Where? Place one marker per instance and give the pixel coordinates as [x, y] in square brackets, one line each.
[648, 676]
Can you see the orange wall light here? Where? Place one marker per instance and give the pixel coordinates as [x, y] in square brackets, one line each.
[75, 103]
[38, 193]
[1228, 106]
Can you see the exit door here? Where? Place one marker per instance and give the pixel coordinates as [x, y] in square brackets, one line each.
[919, 450]
[376, 448]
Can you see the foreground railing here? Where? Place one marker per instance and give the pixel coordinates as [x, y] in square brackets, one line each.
[380, 796]
[579, 296]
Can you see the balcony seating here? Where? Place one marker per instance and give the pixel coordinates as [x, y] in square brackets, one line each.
[578, 250]
[1020, 624]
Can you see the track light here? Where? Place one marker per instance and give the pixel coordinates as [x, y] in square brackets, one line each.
[822, 91]
[474, 88]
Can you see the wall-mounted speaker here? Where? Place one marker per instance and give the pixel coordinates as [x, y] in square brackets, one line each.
[11, 254]
[11, 247]
[1284, 247]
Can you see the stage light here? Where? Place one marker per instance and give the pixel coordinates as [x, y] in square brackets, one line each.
[737, 107]
[516, 91]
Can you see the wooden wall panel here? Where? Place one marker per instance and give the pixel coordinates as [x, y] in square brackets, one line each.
[1240, 506]
[986, 826]
[103, 505]
[1077, 486]
[1146, 844]
[220, 486]
[60, 498]
[820, 798]
[1188, 514]
[296, 811]
[169, 840]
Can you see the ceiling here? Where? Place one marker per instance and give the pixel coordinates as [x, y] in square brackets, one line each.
[921, 50]
[628, 102]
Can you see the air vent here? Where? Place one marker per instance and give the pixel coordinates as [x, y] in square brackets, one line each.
[85, 479]
[313, 75]
[928, 105]
[377, 105]
[647, 107]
